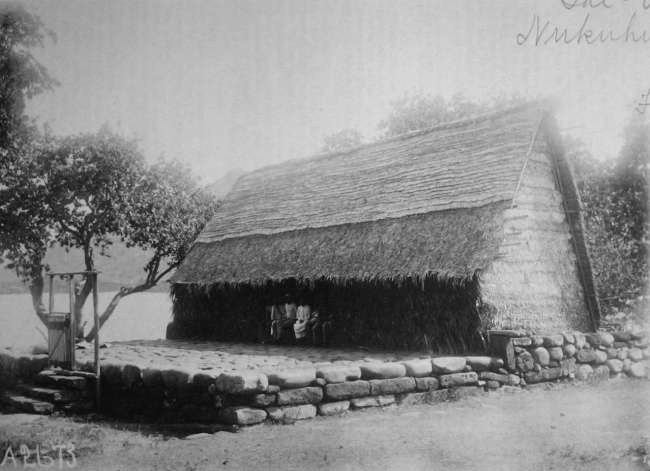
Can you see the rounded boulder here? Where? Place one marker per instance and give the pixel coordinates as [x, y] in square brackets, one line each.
[553, 340]
[637, 370]
[418, 368]
[556, 353]
[536, 341]
[583, 372]
[615, 366]
[288, 379]
[376, 370]
[569, 338]
[635, 354]
[585, 355]
[606, 339]
[338, 373]
[580, 339]
[524, 362]
[541, 356]
[600, 357]
[569, 350]
[447, 365]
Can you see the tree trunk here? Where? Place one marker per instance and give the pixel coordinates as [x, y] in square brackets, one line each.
[111, 307]
[36, 290]
[79, 302]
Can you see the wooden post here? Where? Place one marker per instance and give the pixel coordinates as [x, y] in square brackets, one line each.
[51, 294]
[70, 349]
[96, 316]
[50, 311]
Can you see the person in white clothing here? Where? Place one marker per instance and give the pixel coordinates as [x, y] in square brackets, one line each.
[303, 316]
[290, 317]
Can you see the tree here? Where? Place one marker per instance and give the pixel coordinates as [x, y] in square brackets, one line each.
[24, 222]
[23, 238]
[81, 191]
[342, 140]
[615, 201]
[417, 111]
[21, 76]
[631, 173]
[170, 210]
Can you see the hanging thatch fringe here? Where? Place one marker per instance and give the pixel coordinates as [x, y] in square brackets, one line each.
[450, 244]
[409, 315]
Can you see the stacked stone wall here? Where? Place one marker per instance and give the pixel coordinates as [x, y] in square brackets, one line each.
[519, 360]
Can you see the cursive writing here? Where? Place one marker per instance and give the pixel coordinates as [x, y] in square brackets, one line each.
[539, 34]
[571, 4]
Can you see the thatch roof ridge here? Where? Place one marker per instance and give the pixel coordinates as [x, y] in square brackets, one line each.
[463, 164]
[547, 104]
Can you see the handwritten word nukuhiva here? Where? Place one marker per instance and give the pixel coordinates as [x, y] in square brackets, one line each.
[541, 35]
[36, 457]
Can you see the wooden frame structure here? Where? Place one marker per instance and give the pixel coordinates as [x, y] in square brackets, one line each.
[63, 325]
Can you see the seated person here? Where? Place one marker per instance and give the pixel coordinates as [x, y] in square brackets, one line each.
[278, 314]
[322, 327]
[289, 319]
[303, 315]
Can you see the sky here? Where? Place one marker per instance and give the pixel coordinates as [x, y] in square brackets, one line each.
[226, 85]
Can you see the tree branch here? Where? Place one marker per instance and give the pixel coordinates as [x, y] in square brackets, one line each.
[111, 308]
[171, 267]
[68, 228]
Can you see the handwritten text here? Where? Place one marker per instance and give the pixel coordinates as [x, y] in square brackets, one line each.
[541, 33]
[37, 457]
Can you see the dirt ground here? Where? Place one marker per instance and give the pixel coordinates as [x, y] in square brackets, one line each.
[604, 427]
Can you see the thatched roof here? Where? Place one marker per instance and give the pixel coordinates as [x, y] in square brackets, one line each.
[465, 164]
[430, 202]
[451, 243]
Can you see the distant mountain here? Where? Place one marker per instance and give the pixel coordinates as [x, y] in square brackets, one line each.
[125, 267]
[221, 187]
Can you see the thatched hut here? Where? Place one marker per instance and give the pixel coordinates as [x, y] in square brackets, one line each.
[418, 241]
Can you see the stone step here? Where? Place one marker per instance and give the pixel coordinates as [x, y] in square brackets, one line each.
[79, 373]
[49, 395]
[27, 404]
[62, 382]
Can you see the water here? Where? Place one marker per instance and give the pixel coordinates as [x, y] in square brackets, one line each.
[140, 316]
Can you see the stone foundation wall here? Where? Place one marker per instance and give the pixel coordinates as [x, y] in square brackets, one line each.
[519, 360]
[538, 358]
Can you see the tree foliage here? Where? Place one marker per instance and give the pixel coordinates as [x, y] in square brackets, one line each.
[615, 201]
[342, 140]
[82, 191]
[23, 226]
[23, 222]
[21, 76]
[416, 111]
